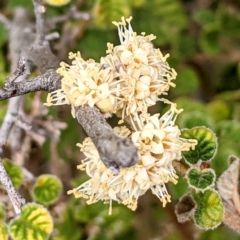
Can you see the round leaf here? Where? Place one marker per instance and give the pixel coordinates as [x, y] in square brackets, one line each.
[206, 147]
[47, 189]
[35, 222]
[210, 210]
[14, 172]
[201, 179]
[3, 231]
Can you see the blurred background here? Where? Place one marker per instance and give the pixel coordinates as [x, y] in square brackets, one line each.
[203, 40]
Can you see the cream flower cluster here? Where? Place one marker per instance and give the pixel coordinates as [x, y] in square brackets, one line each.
[127, 80]
[158, 142]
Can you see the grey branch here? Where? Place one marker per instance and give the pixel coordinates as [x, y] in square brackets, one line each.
[39, 10]
[49, 81]
[114, 151]
[21, 69]
[72, 14]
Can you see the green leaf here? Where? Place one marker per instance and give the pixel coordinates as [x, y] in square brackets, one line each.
[107, 11]
[228, 142]
[204, 17]
[92, 46]
[229, 22]
[14, 172]
[189, 105]
[219, 110]
[136, 3]
[165, 19]
[210, 210]
[2, 212]
[206, 147]
[3, 231]
[35, 222]
[201, 179]
[209, 40]
[47, 189]
[3, 37]
[195, 118]
[187, 82]
[185, 47]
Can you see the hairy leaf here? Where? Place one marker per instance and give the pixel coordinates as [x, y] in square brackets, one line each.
[206, 147]
[14, 172]
[210, 210]
[35, 222]
[3, 231]
[47, 189]
[201, 179]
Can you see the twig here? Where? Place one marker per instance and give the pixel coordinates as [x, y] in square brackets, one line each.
[39, 10]
[49, 81]
[6, 23]
[8, 122]
[114, 151]
[52, 36]
[72, 14]
[21, 69]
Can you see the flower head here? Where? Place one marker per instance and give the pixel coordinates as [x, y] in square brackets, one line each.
[143, 71]
[158, 142]
[85, 82]
[127, 80]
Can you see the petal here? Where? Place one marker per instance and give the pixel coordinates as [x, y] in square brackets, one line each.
[147, 160]
[157, 148]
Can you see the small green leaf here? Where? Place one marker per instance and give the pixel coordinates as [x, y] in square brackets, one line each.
[206, 147]
[47, 189]
[210, 210]
[161, 16]
[229, 22]
[200, 179]
[204, 17]
[2, 212]
[3, 231]
[35, 222]
[195, 118]
[107, 11]
[209, 40]
[14, 172]
[219, 110]
[187, 82]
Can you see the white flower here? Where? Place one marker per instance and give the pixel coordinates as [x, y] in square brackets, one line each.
[143, 71]
[158, 142]
[127, 80]
[85, 82]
